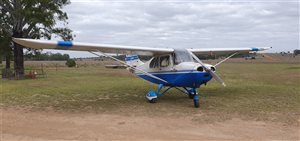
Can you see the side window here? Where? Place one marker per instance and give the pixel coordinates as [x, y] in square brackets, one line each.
[154, 63]
[164, 61]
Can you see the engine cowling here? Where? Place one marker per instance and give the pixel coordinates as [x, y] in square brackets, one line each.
[193, 66]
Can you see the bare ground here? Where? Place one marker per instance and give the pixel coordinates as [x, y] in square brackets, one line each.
[36, 125]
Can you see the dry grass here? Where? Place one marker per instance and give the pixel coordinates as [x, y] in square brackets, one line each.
[255, 90]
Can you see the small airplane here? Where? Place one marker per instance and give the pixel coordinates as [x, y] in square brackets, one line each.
[169, 67]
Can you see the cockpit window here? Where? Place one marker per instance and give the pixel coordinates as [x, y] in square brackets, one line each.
[164, 61]
[182, 55]
[154, 63]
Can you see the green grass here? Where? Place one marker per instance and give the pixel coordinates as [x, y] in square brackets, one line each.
[254, 90]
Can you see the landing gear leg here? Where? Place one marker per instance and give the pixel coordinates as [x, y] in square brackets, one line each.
[191, 96]
[153, 95]
[191, 92]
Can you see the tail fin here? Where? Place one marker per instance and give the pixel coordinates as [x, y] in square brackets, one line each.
[133, 60]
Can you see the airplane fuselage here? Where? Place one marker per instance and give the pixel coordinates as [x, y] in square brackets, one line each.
[184, 74]
[184, 78]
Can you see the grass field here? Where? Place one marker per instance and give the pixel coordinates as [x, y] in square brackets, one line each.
[269, 92]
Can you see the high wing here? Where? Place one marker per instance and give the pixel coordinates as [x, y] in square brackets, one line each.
[76, 46]
[224, 51]
[119, 49]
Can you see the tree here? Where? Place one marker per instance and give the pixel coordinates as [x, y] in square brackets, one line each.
[32, 19]
[5, 49]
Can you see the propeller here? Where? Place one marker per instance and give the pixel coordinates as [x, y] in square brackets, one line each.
[214, 75]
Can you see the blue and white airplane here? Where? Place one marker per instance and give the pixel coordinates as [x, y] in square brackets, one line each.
[169, 67]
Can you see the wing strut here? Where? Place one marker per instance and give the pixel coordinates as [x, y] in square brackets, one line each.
[134, 68]
[215, 76]
[225, 59]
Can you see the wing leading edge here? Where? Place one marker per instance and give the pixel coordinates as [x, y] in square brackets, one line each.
[76, 46]
[222, 51]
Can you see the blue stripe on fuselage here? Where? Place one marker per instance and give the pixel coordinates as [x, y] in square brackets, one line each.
[177, 71]
[131, 58]
[180, 79]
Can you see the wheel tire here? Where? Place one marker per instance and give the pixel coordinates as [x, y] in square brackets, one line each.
[153, 100]
[196, 104]
[196, 101]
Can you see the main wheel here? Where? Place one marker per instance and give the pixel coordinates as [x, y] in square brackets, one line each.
[153, 100]
[196, 101]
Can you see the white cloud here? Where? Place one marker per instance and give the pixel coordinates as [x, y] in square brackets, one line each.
[188, 24]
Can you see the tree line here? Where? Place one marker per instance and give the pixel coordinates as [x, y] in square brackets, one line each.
[48, 56]
[34, 19]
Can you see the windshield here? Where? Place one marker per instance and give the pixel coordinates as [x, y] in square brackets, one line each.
[182, 55]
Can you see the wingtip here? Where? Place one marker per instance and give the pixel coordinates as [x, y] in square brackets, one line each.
[16, 39]
[266, 48]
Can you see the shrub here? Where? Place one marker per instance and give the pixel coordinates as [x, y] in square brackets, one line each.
[71, 63]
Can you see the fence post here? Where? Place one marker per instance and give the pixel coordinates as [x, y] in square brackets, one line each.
[56, 67]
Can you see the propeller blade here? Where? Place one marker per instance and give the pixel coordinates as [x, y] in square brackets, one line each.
[214, 75]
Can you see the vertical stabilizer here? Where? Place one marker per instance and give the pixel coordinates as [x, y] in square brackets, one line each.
[133, 60]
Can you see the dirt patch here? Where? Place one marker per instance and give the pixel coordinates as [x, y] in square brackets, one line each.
[29, 125]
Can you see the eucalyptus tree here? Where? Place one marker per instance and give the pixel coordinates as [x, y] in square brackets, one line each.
[5, 33]
[5, 49]
[32, 19]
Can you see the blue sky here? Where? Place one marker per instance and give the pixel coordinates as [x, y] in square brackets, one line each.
[185, 24]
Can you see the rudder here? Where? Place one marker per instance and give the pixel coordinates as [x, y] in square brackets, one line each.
[133, 60]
